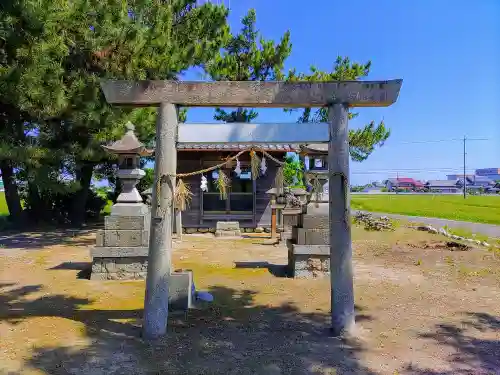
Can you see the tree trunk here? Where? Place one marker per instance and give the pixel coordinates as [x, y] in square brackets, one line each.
[38, 213]
[11, 192]
[84, 176]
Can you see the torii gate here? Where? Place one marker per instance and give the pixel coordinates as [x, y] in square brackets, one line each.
[338, 96]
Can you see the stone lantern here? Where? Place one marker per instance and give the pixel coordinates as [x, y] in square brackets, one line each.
[309, 246]
[129, 151]
[318, 170]
[121, 250]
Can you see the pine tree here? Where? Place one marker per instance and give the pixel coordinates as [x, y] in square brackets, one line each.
[30, 89]
[363, 141]
[247, 56]
[144, 40]
[52, 60]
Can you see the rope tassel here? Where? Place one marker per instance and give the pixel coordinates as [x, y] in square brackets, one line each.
[279, 180]
[223, 184]
[255, 164]
[183, 195]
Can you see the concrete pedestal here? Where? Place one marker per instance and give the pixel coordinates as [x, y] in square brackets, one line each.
[309, 246]
[228, 229]
[121, 251]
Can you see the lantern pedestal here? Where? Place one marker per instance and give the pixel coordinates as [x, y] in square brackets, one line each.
[309, 246]
[121, 251]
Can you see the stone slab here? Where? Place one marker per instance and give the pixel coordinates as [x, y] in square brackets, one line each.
[227, 233]
[228, 225]
[315, 222]
[122, 238]
[117, 252]
[130, 209]
[311, 249]
[180, 290]
[311, 236]
[115, 222]
[252, 93]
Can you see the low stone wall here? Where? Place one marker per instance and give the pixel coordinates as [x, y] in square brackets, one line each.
[119, 268]
[309, 261]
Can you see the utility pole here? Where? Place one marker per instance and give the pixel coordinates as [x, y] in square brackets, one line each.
[465, 181]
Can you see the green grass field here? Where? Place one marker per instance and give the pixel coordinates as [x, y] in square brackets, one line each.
[478, 209]
[5, 212]
[3, 205]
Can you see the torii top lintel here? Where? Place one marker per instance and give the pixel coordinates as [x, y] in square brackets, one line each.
[252, 93]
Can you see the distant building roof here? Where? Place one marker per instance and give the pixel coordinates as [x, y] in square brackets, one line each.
[481, 179]
[442, 183]
[401, 179]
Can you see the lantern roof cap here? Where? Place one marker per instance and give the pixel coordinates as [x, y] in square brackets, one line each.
[315, 148]
[128, 144]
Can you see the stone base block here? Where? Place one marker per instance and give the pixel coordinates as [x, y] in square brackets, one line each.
[119, 268]
[311, 221]
[181, 290]
[119, 238]
[308, 261]
[303, 236]
[228, 233]
[228, 225]
[114, 222]
[130, 209]
[119, 252]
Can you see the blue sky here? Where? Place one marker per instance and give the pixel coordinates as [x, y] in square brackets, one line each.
[447, 52]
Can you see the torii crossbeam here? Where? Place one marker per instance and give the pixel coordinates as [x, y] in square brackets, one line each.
[338, 96]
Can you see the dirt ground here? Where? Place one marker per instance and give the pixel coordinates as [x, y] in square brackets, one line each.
[421, 309]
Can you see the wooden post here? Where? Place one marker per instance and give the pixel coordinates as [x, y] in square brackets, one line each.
[341, 273]
[160, 242]
[273, 223]
[178, 224]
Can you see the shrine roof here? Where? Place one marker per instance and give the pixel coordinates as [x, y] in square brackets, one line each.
[237, 147]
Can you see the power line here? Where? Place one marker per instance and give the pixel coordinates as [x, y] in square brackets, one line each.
[443, 140]
[420, 169]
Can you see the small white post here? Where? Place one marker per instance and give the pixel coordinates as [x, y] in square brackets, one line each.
[160, 241]
[341, 273]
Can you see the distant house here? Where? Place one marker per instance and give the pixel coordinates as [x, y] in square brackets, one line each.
[403, 183]
[455, 177]
[477, 182]
[444, 186]
[480, 181]
[374, 187]
[495, 189]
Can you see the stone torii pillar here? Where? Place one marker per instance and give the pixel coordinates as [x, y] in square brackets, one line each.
[338, 96]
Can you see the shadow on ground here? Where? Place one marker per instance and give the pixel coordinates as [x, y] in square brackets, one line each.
[84, 268]
[40, 239]
[233, 336]
[278, 270]
[471, 355]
